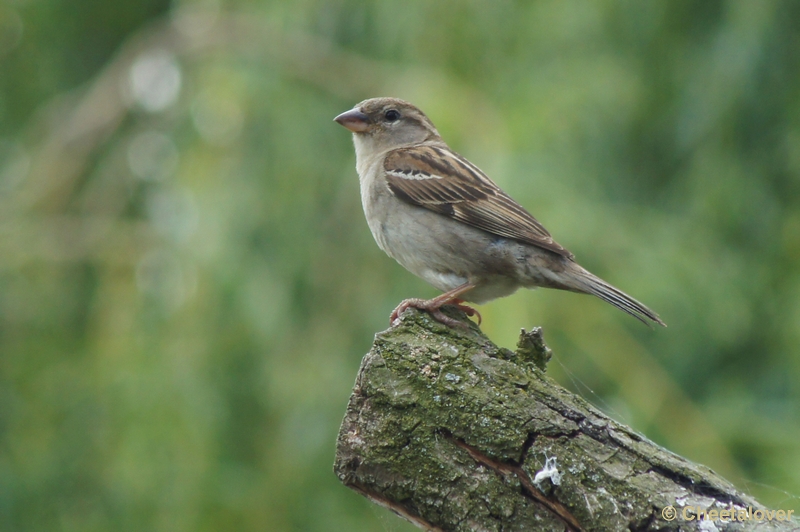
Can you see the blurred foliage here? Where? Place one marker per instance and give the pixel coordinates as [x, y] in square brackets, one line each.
[187, 283]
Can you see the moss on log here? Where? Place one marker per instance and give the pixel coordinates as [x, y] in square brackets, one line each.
[454, 433]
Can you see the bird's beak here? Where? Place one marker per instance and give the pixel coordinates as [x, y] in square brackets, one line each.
[354, 120]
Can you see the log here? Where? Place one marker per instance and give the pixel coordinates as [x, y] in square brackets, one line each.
[454, 433]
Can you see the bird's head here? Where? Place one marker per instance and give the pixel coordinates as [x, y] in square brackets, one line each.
[388, 123]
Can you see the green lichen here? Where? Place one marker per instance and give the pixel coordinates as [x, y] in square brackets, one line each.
[531, 347]
[427, 394]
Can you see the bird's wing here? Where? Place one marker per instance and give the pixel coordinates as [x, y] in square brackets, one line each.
[439, 179]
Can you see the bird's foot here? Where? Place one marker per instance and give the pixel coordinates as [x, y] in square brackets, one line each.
[466, 309]
[433, 307]
[394, 317]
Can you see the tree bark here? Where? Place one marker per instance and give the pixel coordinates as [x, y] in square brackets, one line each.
[454, 433]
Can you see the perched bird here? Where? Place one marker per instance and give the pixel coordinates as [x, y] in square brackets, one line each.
[444, 220]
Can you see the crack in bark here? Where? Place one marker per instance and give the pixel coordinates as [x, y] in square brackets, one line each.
[529, 490]
[531, 439]
[703, 489]
[646, 524]
[396, 507]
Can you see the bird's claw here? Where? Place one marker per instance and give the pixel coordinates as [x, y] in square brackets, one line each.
[466, 309]
[435, 312]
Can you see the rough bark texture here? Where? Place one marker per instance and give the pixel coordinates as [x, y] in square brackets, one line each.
[450, 431]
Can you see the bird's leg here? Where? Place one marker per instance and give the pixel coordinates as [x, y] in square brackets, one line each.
[433, 306]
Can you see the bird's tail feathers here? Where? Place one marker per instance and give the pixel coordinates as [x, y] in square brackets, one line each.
[589, 283]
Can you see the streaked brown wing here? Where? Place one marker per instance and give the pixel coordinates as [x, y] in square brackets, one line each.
[438, 179]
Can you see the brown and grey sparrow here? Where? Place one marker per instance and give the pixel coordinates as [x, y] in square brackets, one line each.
[445, 221]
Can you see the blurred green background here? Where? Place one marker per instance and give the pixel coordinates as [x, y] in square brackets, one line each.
[187, 283]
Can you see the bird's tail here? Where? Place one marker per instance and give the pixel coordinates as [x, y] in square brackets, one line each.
[585, 282]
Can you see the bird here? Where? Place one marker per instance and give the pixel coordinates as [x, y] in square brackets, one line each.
[444, 220]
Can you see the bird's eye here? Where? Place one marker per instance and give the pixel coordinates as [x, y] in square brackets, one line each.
[391, 115]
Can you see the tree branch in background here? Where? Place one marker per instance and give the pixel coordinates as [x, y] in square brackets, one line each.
[454, 433]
